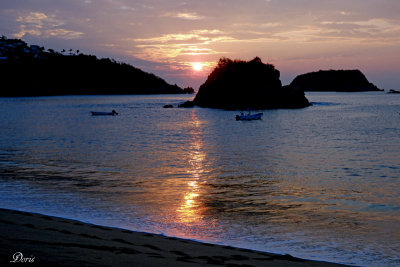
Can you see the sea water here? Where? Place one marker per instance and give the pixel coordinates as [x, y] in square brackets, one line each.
[322, 182]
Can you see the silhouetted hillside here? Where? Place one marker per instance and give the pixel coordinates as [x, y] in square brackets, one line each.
[237, 84]
[333, 80]
[32, 71]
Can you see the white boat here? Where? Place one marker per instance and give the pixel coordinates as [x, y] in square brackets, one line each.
[248, 117]
[99, 113]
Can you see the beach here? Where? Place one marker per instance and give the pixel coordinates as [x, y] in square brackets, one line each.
[36, 239]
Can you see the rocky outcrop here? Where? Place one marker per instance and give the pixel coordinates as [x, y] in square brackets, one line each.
[333, 80]
[186, 104]
[237, 84]
[188, 90]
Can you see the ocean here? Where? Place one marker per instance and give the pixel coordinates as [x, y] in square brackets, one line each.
[321, 183]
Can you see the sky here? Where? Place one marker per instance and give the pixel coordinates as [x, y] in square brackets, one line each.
[181, 41]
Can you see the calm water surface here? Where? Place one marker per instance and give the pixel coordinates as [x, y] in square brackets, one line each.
[321, 182]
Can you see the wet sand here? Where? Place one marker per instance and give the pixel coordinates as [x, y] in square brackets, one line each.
[45, 240]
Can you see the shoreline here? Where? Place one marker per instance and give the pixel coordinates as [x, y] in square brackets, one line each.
[43, 239]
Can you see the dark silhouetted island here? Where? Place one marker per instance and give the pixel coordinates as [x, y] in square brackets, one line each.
[238, 84]
[333, 80]
[33, 71]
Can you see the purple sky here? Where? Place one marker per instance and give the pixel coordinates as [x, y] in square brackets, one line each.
[169, 37]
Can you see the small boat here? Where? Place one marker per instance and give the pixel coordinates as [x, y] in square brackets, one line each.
[248, 117]
[99, 113]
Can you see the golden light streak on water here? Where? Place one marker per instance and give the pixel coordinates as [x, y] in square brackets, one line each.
[190, 209]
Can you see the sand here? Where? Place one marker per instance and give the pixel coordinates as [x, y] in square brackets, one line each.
[44, 240]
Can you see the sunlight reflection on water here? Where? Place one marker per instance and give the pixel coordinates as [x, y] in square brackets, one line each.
[190, 209]
[321, 182]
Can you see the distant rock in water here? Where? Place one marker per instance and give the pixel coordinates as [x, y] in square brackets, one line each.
[188, 90]
[186, 104]
[333, 80]
[237, 84]
[33, 71]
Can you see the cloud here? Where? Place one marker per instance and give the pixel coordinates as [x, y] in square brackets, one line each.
[162, 53]
[374, 30]
[24, 30]
[63, 34]
[194, 36]
[39, 20]
[40, 24]
[33, 17]
[185, 16]
[174, 45]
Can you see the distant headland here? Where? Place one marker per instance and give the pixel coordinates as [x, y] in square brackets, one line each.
[333, 80]
[238, 84]
[30, 70]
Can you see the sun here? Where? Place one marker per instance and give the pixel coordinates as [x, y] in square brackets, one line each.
[197, 66]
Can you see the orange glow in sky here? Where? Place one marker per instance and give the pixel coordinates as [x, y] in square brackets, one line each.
[177, 39]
